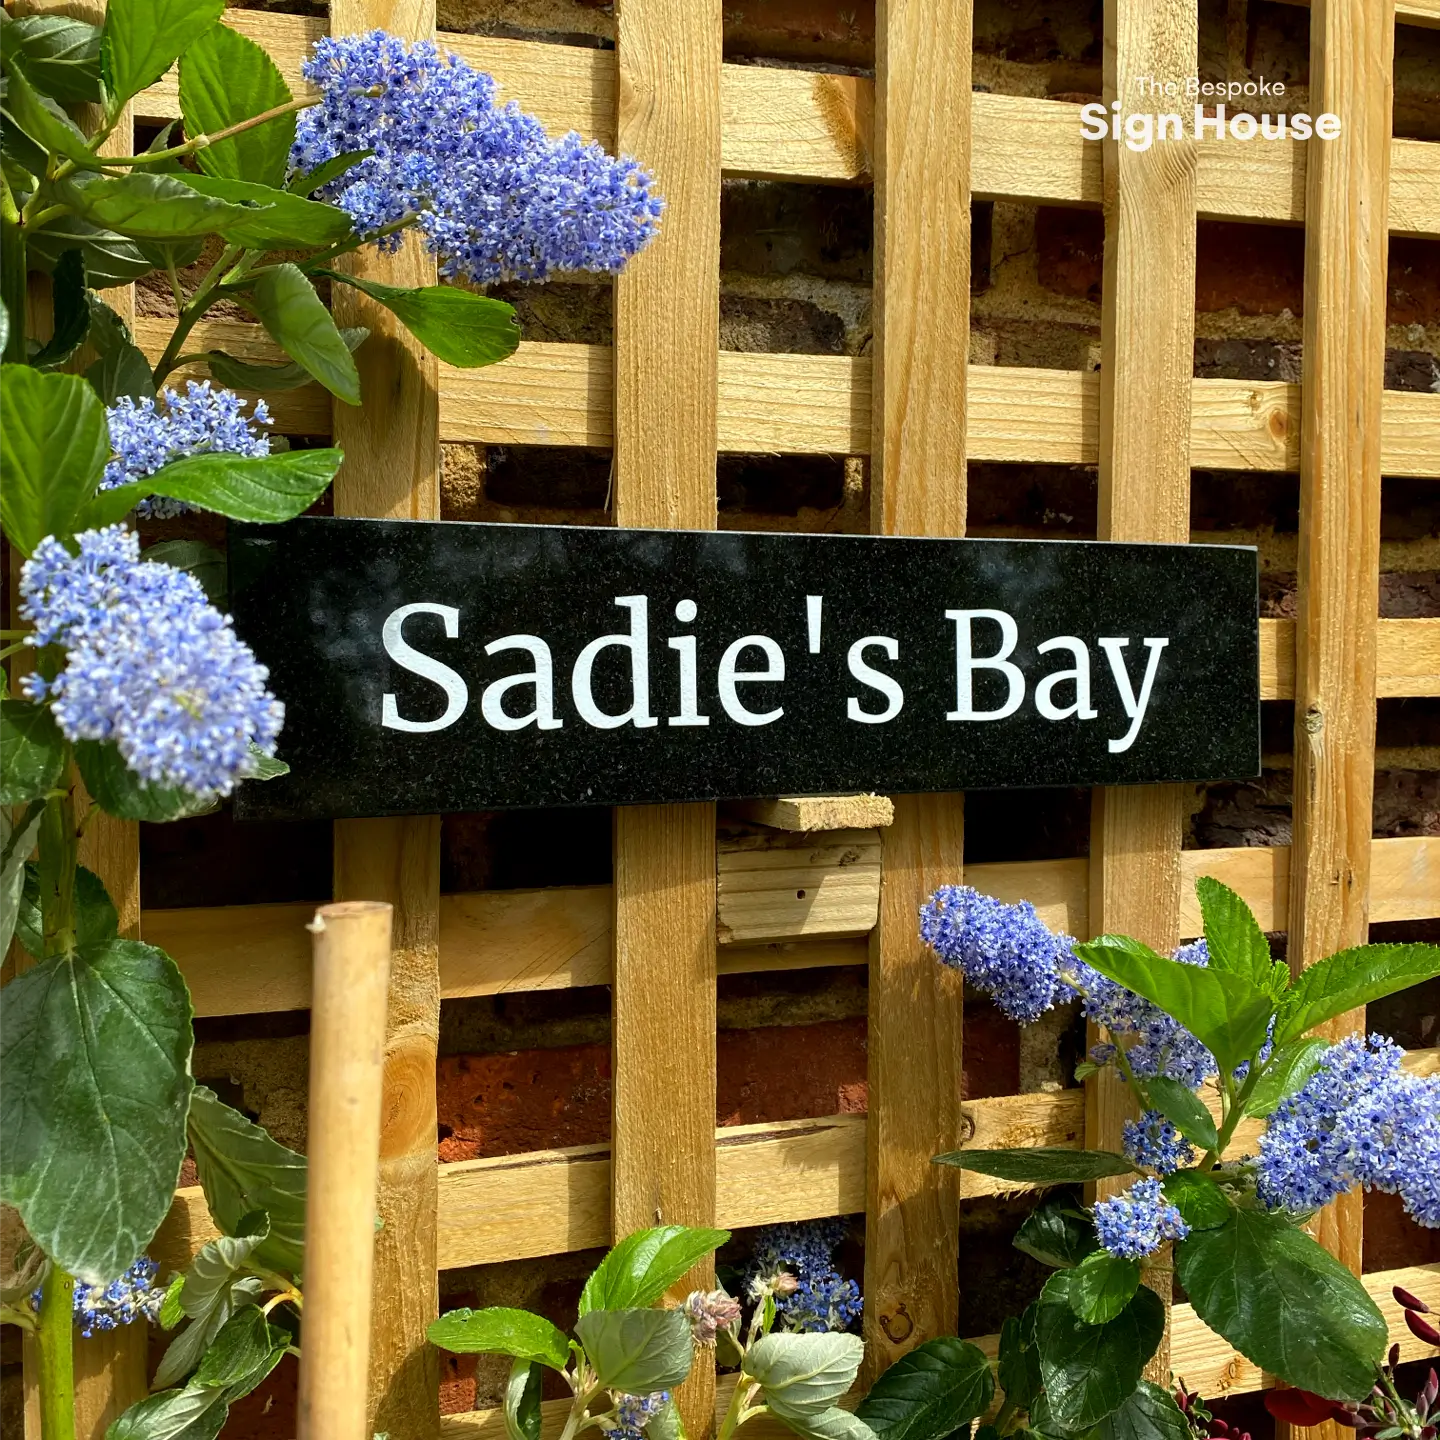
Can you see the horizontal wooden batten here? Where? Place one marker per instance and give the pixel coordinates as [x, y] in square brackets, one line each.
[549, 393]
[803, 125]
[250, 959]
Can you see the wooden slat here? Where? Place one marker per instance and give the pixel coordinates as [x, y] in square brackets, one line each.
[803, 125]
[392, 469]
[667, 308]
[1352, 45]
[922, 148]
[817, 812]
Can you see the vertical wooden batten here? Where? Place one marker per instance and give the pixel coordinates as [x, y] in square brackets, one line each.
[922, 341]
[667, 315]
[392, 470]
[1147, 361]
[1347, 182]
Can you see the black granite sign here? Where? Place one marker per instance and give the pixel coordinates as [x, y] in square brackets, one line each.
[441, 666]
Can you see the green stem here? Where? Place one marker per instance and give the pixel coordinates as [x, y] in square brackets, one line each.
[1234, 1112]
[55, 1342]
[199, 303]
[345, 247]
[203, 142]
[577, 1416]
[12, 287]
[744, 1390]
[1005, 1417]
[59, 846]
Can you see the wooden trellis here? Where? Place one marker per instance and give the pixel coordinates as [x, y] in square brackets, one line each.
[668, 400]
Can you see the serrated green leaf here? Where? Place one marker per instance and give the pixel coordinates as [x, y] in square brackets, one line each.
[308, 182]
[278, 219]
[225, 79]
[637, 1351]
[1057, 1232]
[645, 1264]
[1349, 979]
[666, 1423]
[61, 56]
[1284, 1303]
[831, 1424]
[41, 118]
[259, 488]
[1184, 1109]
[54, 443]
[242, 375]
[1043, 1165]
[285, 302]
[32, 752]
[17, 840]
[142, 39]
[96, 920]
[931, 1393]
[171, 1313]
[1287, 1070]
[1233, 937]
[1019, 1367]
[501, 1331]
[1149, 1414]
[94, 1086]
[803, 1374]
[1101, 1286]
[121, 368]
[1225, 1012]
[243, 1352]
[70, 310]
[119, 791]
[110, 259]
[173, 1415]
[243, 1169]
[158, 207]
[1200, 1201]
[458, 326]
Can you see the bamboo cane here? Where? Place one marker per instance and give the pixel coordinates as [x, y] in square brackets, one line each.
[347, 1033]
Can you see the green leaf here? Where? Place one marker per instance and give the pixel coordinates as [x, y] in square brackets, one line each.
[1284, 1303]
[41, 118]
[803, 1374]
[323, 174]
[53, 447]
[931, 1393]
[242, 375]
[279, 220]
[96, 920]
[32, 752]
[17, 840]
[1349, 979]
[638, 1351]
[157, 207]
[110, 259]
[61, 56]
[500, 1331]
[1201, 1202]
[119, 791]
[831, 1424]
[213, 1291]
[1089, 1371]
[71, 312]
[458, 326]
[1149, 1414]
[173, 1415]
[1019, 1368]
[195, 558]
[267, 767]
[1180, 1105]
[286, 304]
[1232, 935]
[122, 368]
[1044, 1165]
[645, 1264]
[1057, 1232]
[170, 1312]
[666, 1423]
[94, 1085]
[1288, 1069]
[143, 39]
[242, 1170]
[261, 488]
[522, 1401]
[1101, 1286]
[1225, 1012]
[246, 1349]
[226, 78]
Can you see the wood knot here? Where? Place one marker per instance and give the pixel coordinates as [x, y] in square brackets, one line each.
[898, 1327]
[1314, 720]
[1278, 424]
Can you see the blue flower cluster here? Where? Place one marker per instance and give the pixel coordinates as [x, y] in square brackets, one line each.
[148, 434]
[134, 1296]
[1161, 1045]
[1154, 1143]
[1005, 950]
[818, 1299]
[149, 664]
[496, 197]
[634, 1412]
[1138, 1222]
[1361, 1119]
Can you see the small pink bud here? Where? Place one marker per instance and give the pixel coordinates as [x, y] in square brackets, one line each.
[1422, 1329]
[1409, 1301]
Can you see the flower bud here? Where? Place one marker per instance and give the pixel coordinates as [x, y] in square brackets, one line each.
[1422, 1329]
[709, 1313]
[1409, 1301]
[1394, 1358]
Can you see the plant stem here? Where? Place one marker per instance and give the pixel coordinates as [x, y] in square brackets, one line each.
[577, 1416]
[1234, 1112]
[199, 303]
[1005, 1416]
[59, 846]
[12, 287]
[735, 1415]
[203, 142]
[55, 1341]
